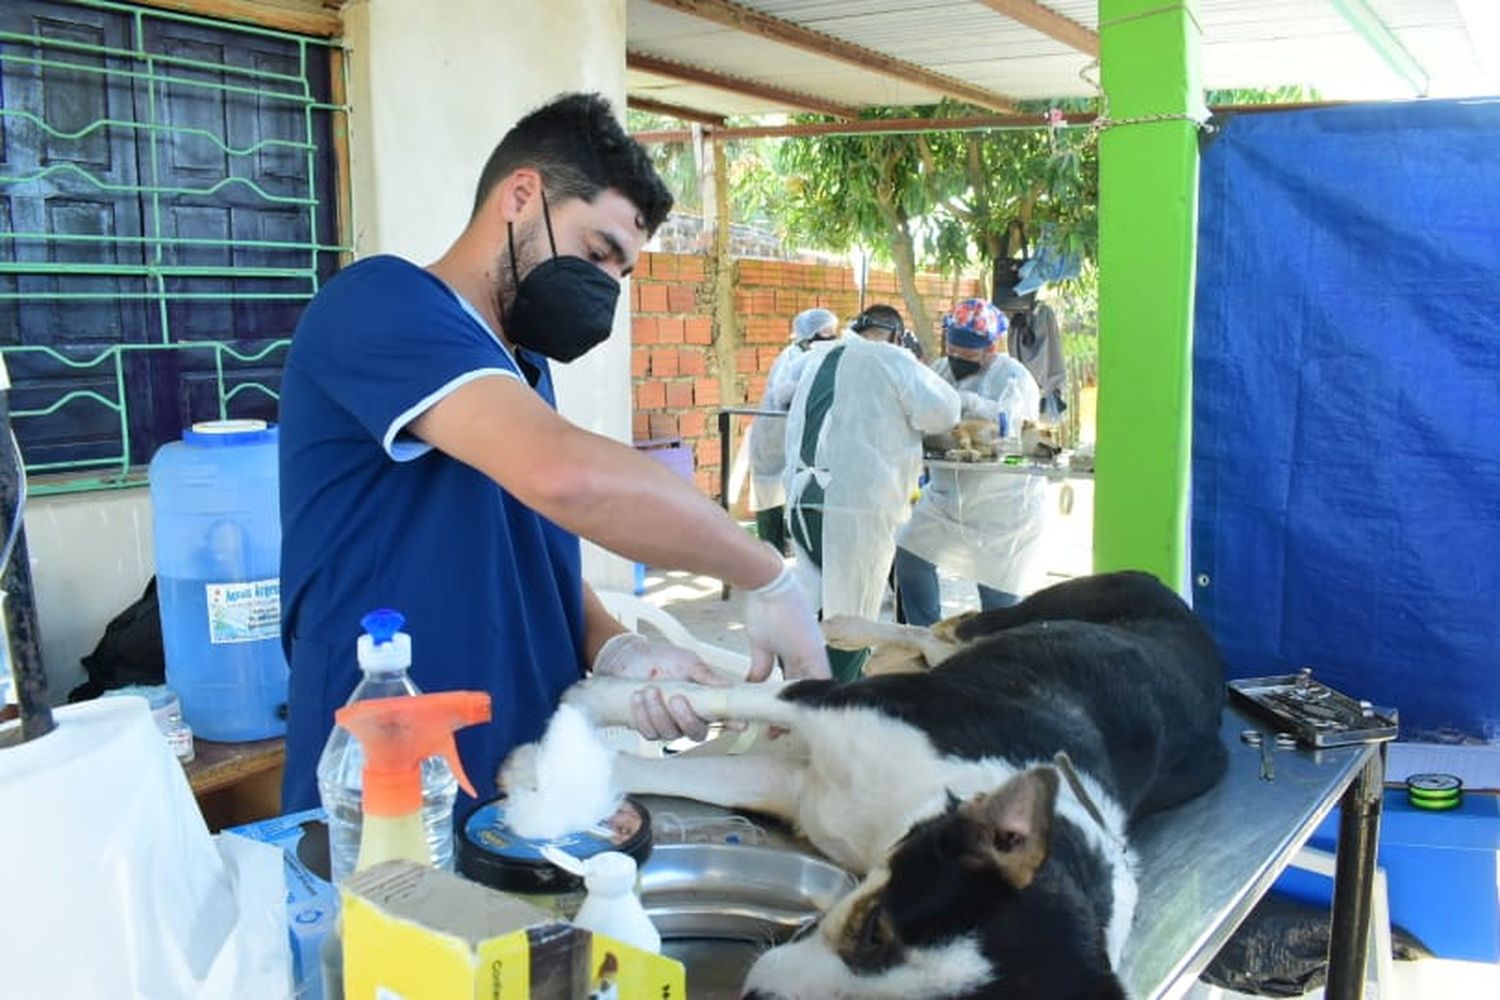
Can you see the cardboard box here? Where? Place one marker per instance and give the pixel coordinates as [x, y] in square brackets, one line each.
[311, 902]
[417, 933]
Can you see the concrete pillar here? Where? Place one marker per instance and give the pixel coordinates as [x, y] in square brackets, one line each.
[1148, 216]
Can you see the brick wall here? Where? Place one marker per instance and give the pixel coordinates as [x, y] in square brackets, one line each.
[675, 365]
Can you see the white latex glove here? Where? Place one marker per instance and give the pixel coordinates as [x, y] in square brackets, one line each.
[780, 623]
[637, 658]
[977, 407]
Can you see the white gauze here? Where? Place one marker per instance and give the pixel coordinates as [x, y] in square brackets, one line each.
[573, 782]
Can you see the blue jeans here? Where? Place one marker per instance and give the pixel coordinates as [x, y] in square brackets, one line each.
[920, 597]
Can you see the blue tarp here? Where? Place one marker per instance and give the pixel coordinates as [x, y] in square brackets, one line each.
[1346, 419]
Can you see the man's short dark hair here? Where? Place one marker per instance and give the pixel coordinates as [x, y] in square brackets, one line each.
[579, 148]
[880, 317]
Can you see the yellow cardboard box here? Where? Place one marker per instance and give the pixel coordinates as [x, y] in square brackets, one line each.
[416, 933]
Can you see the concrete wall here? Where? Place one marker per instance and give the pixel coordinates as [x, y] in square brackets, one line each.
[90, 558]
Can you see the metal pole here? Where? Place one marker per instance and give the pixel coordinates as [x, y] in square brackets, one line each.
[19, 603]
[724, 479]
[1353, 881]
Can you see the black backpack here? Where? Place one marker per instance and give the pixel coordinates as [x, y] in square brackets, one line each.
[129, 652]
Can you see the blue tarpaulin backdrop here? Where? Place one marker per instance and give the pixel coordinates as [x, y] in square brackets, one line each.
[1346, 454]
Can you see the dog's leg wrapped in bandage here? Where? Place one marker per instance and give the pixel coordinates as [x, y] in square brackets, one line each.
[754, 781]
[607, 700]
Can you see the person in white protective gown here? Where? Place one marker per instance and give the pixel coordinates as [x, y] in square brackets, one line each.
[979, 524]
[766, 438]
[854, 451]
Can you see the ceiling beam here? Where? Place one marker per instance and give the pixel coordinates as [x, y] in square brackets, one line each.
[775, 29]
[867, 126]
[969, 123]
[674, 70]
[304, 17]
[1378, 35]
[675, 111]
[1049, 22]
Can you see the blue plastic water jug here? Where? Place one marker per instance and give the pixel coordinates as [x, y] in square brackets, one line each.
[218, 573]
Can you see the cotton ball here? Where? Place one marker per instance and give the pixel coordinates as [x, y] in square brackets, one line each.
[573, 789]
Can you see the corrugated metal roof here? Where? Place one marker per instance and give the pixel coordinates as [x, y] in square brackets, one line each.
[1246, 43]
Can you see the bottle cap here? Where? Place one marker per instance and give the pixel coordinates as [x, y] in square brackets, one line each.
[610, 873]
[383, 646]
[229, 433]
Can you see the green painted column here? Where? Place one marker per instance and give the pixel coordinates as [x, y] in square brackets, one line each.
[1148, 217]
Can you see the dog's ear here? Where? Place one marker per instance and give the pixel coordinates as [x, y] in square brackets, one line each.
[1009, 827]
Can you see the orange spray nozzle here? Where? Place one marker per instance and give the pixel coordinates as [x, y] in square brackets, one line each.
[398, 734]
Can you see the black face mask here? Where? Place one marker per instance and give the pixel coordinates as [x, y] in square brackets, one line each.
[564, 308]
[962, 368]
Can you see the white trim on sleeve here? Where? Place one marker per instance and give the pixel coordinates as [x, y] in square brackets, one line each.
[405, 451]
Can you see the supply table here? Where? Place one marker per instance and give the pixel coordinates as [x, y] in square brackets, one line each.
[1206, 863]
[237, 782]
[1030, 467]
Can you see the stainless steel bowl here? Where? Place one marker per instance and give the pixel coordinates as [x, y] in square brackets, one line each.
[718, 906]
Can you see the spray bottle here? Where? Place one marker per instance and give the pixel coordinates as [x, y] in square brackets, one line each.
[397, 735]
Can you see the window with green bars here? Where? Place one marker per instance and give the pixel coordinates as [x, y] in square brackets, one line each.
[168, 204]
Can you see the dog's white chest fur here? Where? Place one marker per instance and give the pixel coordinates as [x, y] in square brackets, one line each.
[867, 778]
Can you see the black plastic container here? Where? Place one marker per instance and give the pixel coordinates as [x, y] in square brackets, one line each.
[491, 854]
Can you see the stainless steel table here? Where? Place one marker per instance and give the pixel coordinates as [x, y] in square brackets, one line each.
[1029, 467]
[1206, 863]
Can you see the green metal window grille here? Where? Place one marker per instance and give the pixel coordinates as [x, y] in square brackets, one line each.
[167, 190]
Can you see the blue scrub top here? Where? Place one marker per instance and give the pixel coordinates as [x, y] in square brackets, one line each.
[373, 518]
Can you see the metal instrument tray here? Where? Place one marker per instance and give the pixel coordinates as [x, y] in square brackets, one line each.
[1313, 712]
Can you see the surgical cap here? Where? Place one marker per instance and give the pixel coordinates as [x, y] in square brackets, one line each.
[973, 323]
[810, 322]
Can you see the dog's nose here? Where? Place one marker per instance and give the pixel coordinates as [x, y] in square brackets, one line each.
[758, 995]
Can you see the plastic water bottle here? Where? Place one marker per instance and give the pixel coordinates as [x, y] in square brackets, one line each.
[217, 539]
[384, 656]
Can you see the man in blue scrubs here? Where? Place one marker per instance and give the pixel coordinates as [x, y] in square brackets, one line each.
[425, 468]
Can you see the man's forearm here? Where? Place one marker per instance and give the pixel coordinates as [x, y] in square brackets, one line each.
[592, 485]
[599, 626]
[637, 508]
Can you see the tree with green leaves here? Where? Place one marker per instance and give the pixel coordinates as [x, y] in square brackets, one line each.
[943, 198]
[867, 190]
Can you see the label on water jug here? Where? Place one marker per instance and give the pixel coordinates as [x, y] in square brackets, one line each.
[244, 612]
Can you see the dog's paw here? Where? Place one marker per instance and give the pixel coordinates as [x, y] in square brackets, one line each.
[847, 632]
[962, 455]
[895, 658]
[947, 629]
[518, 770]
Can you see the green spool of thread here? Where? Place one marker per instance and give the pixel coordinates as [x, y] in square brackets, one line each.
[1434, 791]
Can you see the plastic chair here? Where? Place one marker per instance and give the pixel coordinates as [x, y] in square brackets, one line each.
[633, 612]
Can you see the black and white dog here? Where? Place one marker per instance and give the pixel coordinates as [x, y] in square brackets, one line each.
[989, 870]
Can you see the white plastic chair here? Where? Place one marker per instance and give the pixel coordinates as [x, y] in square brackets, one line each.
[633, 612]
